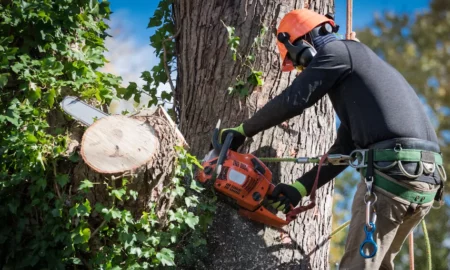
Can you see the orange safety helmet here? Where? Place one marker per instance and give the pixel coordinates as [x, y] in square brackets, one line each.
[298, 23]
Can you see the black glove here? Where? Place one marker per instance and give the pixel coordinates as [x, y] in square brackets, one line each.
[238, 136]
[283, 196]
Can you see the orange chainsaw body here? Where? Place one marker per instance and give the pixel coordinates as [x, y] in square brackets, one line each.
[244, 181]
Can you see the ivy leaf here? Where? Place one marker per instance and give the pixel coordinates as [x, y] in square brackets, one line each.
[154, 22]
[34, 94]
[191, 220]
[166, 257]
[130, 91]
[137, 97]
[86, 234]
[13, 205]
[87, 206]
[31, 139]
[3, 79]
[200, 242]
[191, 201]
[50, 97]
[85, 185]
[17, 67]
[196, 187]
[179, 191]
[136, 251]
[118, 193]
[243, 92]
[134, 194]
[62, 179]
[255, 78]
[165, 95]
[115, 214]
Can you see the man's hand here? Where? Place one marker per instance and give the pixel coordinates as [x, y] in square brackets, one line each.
[353, 36]
[238, 136]
[284, 195]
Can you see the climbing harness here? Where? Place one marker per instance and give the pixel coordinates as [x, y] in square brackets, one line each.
[365, 160]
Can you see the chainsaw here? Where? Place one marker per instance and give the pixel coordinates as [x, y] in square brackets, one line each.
[241, 180]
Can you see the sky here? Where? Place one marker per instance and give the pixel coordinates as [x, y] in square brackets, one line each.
[130, 54]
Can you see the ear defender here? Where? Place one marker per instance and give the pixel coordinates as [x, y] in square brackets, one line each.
[301, 52]
[330, 16]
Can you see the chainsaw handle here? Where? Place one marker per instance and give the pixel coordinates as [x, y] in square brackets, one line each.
[215, 141]
[269, 194]
[223, 153]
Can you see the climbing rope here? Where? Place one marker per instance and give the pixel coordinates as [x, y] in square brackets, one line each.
[411, 251]
[427, 243]
[340, 228]
[349, 19]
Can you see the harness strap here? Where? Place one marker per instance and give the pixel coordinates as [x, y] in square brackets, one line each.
[412, 155]
[401, 191]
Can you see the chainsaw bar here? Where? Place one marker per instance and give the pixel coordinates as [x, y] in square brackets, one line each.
[81, 111]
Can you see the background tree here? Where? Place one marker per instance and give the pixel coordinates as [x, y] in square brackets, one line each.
[227, 68]
[419, 47]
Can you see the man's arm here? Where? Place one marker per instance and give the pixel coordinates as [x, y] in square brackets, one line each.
[331, 64]
[343, 145]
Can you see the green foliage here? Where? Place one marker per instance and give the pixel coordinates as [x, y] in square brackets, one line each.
[50, 49]
[254, 77]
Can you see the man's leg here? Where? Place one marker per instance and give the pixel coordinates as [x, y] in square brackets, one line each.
[390, 214]
[413, 217]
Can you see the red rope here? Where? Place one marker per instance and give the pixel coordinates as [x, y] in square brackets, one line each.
[294, 212]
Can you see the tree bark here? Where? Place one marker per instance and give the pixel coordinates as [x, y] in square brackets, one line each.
[205, 70]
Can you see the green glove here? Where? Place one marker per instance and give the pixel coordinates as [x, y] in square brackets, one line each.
[284, 195]
[238, 136]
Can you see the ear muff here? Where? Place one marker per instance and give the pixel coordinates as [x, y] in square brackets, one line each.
[301, 52]
[330, 16]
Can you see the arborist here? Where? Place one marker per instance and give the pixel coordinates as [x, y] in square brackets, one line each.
[379, 113]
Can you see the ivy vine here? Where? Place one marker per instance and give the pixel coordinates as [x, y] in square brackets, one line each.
[252, 77]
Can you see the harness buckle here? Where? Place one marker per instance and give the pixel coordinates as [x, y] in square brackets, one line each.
[358, 158]
[338, 159]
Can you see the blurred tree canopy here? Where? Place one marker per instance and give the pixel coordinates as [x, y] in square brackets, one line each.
[418, 46]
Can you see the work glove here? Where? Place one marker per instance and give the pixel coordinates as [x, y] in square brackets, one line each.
[284, 195]
[238, 136]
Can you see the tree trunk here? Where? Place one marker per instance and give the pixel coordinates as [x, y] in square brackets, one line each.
[205, 70]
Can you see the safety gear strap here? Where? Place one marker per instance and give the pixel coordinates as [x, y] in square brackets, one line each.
[411, 155]
[412, 196]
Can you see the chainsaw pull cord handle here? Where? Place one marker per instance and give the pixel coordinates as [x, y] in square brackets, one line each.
[294, 212]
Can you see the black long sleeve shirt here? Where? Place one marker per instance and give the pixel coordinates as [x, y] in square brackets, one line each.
[373, 101]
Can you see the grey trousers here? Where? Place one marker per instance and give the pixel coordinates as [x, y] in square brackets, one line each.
[396, 218]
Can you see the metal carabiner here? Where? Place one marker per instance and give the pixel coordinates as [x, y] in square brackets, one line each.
[370, 219]
[368, 241]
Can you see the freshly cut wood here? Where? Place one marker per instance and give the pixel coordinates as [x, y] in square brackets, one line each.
[117, 143]
[138, 148]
